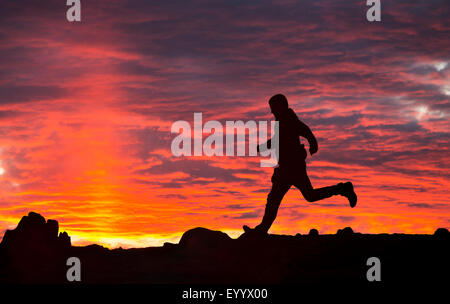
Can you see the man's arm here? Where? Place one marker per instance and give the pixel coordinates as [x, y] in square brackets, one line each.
[306, 132]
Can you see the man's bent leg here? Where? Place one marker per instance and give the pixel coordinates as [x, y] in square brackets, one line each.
[273, 202]
[311, 194]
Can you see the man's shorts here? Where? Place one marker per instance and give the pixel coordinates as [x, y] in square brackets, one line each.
[291, 173]
[292, 170]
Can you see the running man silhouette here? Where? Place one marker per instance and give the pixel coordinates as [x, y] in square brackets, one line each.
[291, 169]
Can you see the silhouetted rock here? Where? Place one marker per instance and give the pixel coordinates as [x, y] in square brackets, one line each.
[34, 250]
[347, 231]
[96, 248]
[52, 229]
[64, 239]
[442, 233]
[201, 239]
[313, 232]
[31, 221]
[34, 232]
[169, 245]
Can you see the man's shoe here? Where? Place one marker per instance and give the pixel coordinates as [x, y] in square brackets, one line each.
[247, 228]
[349, 193]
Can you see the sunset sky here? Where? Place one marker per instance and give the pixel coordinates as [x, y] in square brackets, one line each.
[86, 110]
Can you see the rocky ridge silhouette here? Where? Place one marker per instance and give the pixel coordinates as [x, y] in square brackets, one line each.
[34, 252]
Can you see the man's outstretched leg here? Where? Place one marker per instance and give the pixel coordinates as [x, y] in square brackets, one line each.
[273, 202]
[312, 195]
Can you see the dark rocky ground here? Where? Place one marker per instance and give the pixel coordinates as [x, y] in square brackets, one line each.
[34, 252]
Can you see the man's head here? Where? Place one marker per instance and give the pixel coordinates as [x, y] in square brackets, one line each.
[278, 104]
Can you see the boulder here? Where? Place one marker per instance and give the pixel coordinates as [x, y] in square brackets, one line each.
[442, 233]
[199, 239]
[347, 231]
[313, 232]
